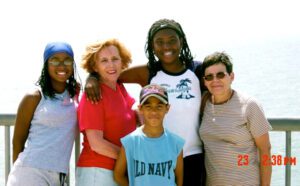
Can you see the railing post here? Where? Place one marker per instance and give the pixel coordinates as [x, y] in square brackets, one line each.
[7, 151]
[288, 149]
[77, 148]
[288, 125]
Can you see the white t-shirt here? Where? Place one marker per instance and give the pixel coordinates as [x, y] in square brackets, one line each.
[185, 99]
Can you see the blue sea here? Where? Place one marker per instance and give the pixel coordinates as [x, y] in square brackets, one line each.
[266, 69]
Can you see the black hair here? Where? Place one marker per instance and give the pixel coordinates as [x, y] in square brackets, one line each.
[45, 83]
[185, 53]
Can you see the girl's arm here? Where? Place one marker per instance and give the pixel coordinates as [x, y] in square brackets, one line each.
[120, 169]
[264, 146]
[138, 74]
[24, 116]
[101, 145]
[179, 170]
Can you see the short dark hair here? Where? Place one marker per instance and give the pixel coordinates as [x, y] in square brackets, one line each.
[217, 58]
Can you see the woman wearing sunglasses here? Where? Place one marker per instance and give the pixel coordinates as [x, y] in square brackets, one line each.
[234, 129]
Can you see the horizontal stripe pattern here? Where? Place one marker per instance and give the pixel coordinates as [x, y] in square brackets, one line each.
[228, 131]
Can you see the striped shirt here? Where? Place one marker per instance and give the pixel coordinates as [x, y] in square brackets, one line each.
[228, 131]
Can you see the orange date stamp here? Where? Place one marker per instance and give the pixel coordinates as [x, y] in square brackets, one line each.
[273, 160]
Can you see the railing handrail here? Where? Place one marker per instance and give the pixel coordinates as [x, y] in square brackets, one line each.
[285, 124]
[7, 119]
[278, 124]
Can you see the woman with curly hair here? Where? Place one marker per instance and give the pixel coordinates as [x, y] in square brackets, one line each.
[103, 124]
[171, 65]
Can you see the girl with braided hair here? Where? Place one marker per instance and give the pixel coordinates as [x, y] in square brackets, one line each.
[171, 65]
[46, 122]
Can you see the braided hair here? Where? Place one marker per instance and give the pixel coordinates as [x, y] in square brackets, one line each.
[45, 83]
[185, 53]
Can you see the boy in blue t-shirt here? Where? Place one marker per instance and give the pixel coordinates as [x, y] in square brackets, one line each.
[151, 155]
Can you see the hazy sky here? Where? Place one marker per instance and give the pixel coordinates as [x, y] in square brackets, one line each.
[27, 25]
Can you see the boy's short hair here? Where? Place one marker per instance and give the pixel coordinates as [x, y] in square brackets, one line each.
[154, 90]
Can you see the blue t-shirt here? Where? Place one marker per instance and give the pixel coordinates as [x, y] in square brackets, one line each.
[152, 161]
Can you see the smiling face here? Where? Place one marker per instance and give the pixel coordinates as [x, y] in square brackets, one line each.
[109, 65]
[218, 87]
[60, 68]
[167, 45]
[153, 111]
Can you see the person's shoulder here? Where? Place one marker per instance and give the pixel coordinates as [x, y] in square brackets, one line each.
[196, 65]
[173, 135]
[129, 138]
[30, 100]
[174, 140]
[33, 95]
[136, 133]
[245, 98]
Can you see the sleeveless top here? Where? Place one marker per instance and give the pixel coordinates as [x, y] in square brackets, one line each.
[51, 135]
[151, 161]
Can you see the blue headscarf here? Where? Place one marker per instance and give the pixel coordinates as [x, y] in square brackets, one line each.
[57, 47]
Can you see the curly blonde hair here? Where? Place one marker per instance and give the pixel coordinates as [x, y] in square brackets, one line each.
[91, 51]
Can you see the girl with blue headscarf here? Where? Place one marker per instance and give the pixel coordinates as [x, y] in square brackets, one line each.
[46, 121]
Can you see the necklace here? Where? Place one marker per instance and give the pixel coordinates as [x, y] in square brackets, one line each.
[221, 103]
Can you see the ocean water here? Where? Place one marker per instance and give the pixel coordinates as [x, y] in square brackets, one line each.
[265, 69]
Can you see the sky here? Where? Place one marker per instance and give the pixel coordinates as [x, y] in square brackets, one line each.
[26, 27]
[210, 25]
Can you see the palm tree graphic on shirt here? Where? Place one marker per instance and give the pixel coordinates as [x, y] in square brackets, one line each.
[184, 89]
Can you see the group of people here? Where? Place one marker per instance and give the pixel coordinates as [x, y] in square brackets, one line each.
[191, 128]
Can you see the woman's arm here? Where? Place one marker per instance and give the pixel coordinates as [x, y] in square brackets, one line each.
[120, 169]
[264, 146]
[24, 116]
[101, 145]
[138, 74]
[179, 170]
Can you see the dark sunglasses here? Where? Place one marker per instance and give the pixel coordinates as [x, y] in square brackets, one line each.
[219, 75]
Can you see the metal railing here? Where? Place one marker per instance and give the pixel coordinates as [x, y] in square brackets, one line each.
[8, 120]
[288, 125]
